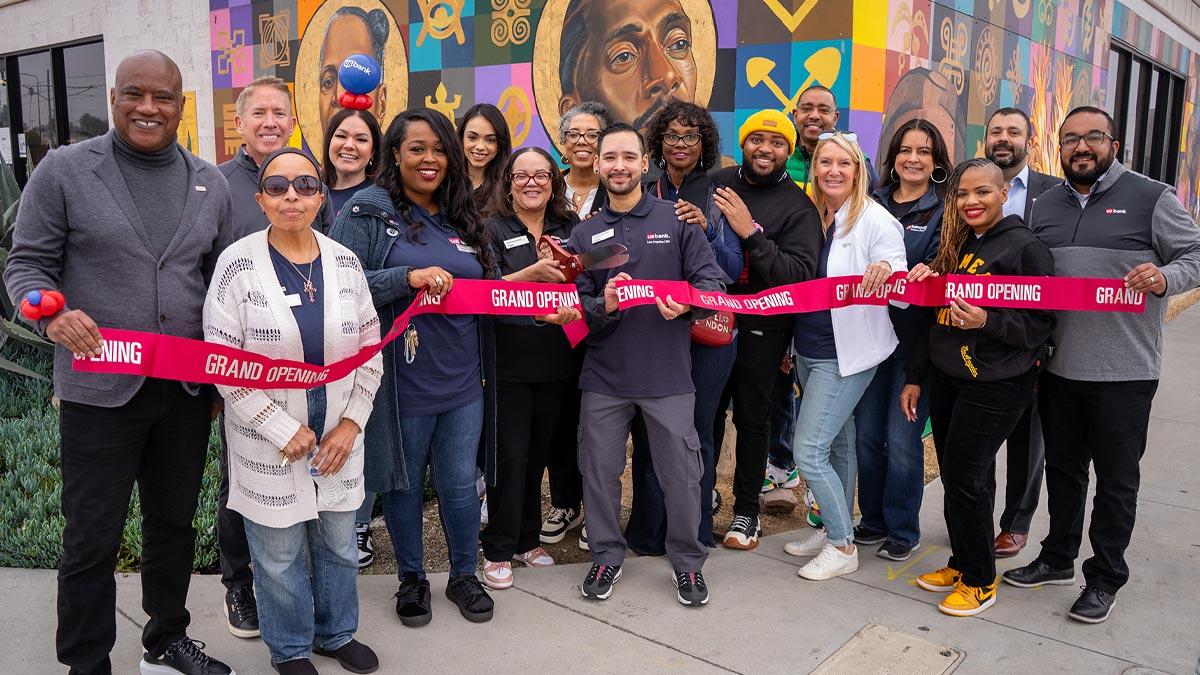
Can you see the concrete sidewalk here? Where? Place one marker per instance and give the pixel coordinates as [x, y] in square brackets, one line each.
[762, 618]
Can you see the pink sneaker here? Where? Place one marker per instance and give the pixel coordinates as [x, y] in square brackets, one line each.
[535, 558]
[497, 575]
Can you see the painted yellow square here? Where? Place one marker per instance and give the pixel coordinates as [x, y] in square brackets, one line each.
[867, 81]
[870, 23]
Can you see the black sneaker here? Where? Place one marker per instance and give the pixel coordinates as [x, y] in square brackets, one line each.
[354, 656]
[892, 550]
[599, 582]
[241, 612]
[186, 656]
[1093, 605]
[366, 548]
[412, 601]
[473, 601]
[690, 588]
[865, 536]
[1038, 573]
[743, 533]
[295, 667]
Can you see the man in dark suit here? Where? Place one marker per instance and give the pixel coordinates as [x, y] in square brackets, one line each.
[1007, 144]
[128, 226]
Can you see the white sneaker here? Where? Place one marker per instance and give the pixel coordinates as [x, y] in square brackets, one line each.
[810, 543]
[583, 542]
[830, 563]
[483, 515]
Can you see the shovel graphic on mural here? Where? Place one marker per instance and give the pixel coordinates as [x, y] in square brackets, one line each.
[823, 67]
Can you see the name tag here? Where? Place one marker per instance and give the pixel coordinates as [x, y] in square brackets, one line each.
[516, 241]
[200, 188]
[292, 300]
[601, 236]
[464, 248]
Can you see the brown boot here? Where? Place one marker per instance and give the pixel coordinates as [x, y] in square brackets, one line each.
[1009, 544]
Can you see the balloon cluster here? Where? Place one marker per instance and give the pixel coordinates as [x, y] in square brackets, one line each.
[42, 304]
[358, 75]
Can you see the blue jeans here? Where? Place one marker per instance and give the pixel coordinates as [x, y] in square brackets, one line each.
[306, 584]
[824, 443]
[363, 515]
[646, 532]
[891, 457]
[446, 443]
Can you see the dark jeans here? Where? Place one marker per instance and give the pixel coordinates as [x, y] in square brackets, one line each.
[232, 548]
[159, 439]
[566, 483]
[785, 407]
[646, 532]
[891, 456]
[971, 419]
[528, 416]
[759, 354]
[1104, 424]
[1026, 463]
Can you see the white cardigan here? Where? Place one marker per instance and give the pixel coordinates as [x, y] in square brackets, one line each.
[863, 334]
[245, 308]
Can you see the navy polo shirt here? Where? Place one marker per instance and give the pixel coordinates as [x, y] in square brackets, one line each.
[445, 375]
[636, 353]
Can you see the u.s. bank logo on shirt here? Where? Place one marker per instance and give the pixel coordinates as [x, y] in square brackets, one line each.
[1115, 212]
[458, 243]
[658, 238]
[916, 228]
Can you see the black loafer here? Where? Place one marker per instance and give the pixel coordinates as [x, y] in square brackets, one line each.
[1038, 573]
[295, 667]
[1093, 605]
[413, 602]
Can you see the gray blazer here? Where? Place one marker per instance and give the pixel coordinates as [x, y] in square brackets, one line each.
[79, 231]
[1038, 183]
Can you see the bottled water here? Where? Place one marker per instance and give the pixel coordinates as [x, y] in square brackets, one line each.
[331, 491]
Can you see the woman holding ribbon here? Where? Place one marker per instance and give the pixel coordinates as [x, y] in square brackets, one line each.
[416, 230]
[537, 369]
[891, 456]
[985, 365]
[288, 292]
[684, 143]
[352, 150]
[837, 350]
[483, 132]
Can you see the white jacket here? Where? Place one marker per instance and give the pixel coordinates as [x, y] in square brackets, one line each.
[863, 334]
[245, 308]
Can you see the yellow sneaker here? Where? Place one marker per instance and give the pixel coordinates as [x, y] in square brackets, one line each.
[967, 600]
[939, 581]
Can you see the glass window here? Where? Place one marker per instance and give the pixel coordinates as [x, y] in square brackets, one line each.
[1129, 145]
[87, 97]
[6, 146]
[39, 130]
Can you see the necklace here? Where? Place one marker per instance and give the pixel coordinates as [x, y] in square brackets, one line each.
[309, 288]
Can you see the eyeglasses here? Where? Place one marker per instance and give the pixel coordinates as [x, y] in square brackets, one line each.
[540, 179]
[849, 135]
[277, 186]
[807, 108]
[1094, 139]
[673, 139]
[573, 136]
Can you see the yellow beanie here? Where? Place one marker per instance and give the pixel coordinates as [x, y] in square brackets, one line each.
[769, 120]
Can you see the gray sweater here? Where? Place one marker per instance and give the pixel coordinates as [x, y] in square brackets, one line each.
[1129, 220]
[157, 181]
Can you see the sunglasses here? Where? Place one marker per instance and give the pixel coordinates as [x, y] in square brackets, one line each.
[849, 135]
[277, 186]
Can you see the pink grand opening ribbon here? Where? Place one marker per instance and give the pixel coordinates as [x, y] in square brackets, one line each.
[168, 357]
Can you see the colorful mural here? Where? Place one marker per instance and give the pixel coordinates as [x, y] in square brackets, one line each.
[953, 61]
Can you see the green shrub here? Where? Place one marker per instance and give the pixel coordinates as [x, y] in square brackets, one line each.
[31, 521]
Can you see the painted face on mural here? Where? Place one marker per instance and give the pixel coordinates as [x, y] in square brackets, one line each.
[347, 34]
[634, 57]
[1092, 151]
[147, 100]
[1007, 142]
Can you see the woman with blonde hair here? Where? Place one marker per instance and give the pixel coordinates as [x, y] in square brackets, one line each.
[837, 350]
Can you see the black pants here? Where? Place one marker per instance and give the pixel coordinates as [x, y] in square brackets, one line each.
[759, 354]
[1105, 424]
[233, 551]
[159, 439]
[528, 414]
[566, 483]
[970, 420]
[1023, 480]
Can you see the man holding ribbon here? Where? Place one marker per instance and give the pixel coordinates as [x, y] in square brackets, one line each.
[128, 227]
[638, 359]
[1103, 220]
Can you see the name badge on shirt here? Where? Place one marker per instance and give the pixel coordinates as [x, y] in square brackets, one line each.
[516, 241]
[292, 300]
[601, 236]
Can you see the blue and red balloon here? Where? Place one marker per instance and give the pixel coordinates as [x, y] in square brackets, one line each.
[42, 304]
[359, 75]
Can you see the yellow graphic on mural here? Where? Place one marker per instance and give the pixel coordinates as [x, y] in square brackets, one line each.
[1021, 8]
[233, 140]
[337, 30]
[232, 45]
[510, 22]
[274, 48]
[665, 49]
[1045, 12]
[514, 104]
[955, 44]
[822, 66]
[791, 20]
[915, 35]
[439, 102]
[188, 132]
[1087, 19]
[987, 64]
[441, 19]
